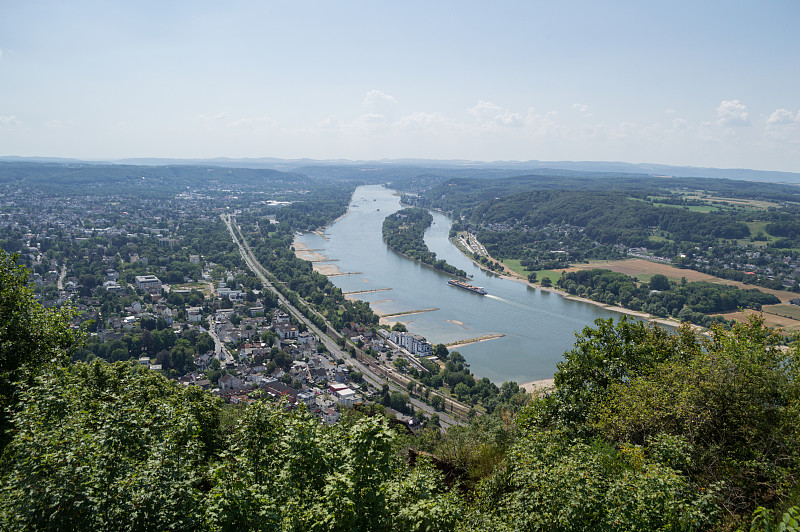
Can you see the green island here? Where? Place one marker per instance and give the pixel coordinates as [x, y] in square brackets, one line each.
[404, 232]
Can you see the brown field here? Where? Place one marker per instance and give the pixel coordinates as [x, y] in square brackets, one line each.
[788, 325]
[757, 204]
[635, 267]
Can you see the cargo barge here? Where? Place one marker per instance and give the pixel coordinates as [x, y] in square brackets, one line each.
[465, 286]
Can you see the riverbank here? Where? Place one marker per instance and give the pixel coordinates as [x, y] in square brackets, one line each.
[511, 275]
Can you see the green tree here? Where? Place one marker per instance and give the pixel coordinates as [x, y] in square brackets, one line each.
[659, 282]
[440, 351]
[277, 458]
[608, 354]
[732, 403]
[31, 337]
[107, 447]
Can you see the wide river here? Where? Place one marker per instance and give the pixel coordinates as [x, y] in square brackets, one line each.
[539, 326]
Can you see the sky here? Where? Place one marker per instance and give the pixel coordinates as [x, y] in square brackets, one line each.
[698, 83]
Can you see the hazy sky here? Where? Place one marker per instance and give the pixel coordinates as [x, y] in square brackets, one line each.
[705, 83]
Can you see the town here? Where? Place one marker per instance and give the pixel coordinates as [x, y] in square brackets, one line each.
[158, 280]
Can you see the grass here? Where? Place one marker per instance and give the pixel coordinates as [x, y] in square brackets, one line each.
[553, 275]
[515, 266]
[759, 227]
[691, 208]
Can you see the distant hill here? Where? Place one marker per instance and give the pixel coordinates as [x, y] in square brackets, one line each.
[389, 168]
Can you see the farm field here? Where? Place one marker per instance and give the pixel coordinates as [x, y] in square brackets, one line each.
[788, 325]
[641, 268]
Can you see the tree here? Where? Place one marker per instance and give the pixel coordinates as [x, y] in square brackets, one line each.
[399, 327]
[731, 405]
[612, 353]
[112, 447]
[659, 282]
[532, 277]
[546, 282]
[31, 337]
[437, 402]
[440, 351]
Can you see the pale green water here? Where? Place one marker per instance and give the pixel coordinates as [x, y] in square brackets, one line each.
[539, 326]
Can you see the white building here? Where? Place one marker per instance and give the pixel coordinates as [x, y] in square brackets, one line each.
[146, 282]
[413, 343]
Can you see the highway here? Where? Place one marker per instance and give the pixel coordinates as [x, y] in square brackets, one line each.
[445, 419]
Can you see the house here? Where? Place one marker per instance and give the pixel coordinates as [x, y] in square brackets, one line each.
[279, 316]
[230, 382]
[307, 398]
[112, 286]
[195, 314]
[344, 395]
[413, 343]
[286, 331]
[330, 416]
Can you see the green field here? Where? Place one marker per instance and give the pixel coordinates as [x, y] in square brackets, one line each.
[515, 266]
[553, 275]
[692, 208]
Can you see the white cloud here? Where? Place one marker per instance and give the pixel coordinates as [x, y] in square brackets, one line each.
[218, 116]
[53, 124]
[378, 98]
[581, 108]
[427, 121]
[490, 115]
[783, 117]
[252, 123]
[733, 113]
[9, 121]
[331, 122]
[680, 123]
[1, 53]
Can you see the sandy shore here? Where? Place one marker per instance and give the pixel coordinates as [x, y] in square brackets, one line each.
[538, 386]
[489, 337]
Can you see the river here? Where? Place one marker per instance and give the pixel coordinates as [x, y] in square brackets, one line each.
[539, 326]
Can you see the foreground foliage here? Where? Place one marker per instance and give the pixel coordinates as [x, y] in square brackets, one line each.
[117, 447]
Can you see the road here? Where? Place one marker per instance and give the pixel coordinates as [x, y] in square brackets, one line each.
[244, 250]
